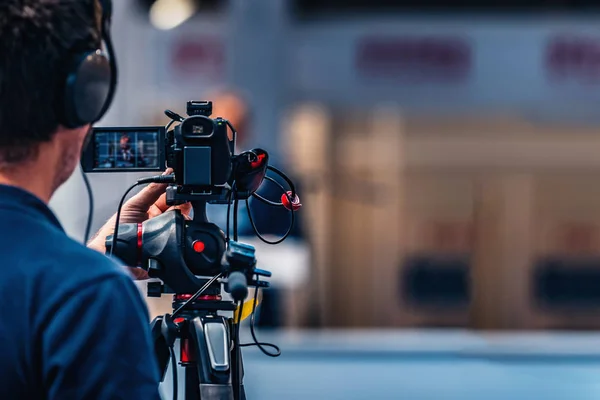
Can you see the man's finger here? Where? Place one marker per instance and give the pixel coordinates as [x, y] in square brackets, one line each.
[151, 193]
[185, 208]
[154, 211]
[148, 195]
[161, 203]
[138, 274]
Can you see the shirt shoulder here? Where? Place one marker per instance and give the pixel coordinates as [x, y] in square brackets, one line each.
[103, 320]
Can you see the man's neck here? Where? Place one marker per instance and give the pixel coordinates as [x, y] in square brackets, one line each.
[29, 179]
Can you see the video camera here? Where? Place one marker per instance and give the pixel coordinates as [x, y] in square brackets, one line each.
[198, 149]
[206, 170]
[192, 257]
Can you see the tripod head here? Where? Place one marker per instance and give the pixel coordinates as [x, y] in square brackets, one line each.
[183, 254]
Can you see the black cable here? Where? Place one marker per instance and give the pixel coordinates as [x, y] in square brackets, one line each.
[267, 201]
[260, 345]
[234, 134]
[116, 231]
[88, 226]
[235, 219]
[237, 382]
[229, 197]
[174, 367]
[286, 179]
[256, 229]
[274, 204]
[169, 124]
[228, 215]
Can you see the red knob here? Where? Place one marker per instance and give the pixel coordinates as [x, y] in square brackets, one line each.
[295, 204]
[198, 246]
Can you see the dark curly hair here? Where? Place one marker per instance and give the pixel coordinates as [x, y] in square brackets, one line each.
[36, 39]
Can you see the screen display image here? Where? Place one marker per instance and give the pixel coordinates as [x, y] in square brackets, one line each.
[131, 150]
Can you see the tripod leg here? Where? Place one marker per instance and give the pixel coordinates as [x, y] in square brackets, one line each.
[161, 348]
[192, 386]
[242, 389]
[237, 360]
[211, 354]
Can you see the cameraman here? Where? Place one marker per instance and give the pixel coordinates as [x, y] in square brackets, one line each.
[74, 325]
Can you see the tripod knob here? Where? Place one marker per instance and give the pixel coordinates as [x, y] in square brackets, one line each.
[155, 289]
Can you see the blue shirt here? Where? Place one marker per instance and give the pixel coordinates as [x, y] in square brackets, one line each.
[73, 324]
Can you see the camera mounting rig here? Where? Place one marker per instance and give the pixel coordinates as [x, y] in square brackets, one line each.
[193, 258]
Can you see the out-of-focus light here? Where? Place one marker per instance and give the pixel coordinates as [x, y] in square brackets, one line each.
[168, 14]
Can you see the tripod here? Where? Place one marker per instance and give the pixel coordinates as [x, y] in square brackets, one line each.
[180, 253]
[207, 351]
[209, 342]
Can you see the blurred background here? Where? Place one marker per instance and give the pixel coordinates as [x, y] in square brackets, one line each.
[447, 156]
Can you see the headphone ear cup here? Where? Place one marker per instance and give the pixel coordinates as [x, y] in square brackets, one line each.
[87, 89]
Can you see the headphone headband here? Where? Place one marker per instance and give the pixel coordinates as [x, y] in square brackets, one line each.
[106, 9]
[107, 39]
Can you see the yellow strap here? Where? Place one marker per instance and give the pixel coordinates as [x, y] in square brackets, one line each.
[247, 306]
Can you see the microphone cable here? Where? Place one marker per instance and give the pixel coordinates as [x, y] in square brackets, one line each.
[174, 368]
[90, 217]
[274, 204]
[261, 345]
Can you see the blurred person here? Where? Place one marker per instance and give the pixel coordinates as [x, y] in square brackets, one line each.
[128, 156]
[229, 104]
[233, 106]
[74, 324]
[269, 220]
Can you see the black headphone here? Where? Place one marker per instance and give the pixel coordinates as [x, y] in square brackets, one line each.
[91, 80]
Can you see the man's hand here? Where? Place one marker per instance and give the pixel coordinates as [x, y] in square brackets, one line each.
[148, 203]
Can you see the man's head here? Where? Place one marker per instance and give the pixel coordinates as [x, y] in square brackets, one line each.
[232, 106]
[125, 142]
[37, 40]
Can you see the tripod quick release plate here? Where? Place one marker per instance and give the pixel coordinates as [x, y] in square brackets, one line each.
[240, 257]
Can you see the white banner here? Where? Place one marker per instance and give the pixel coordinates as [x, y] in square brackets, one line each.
[545, 69]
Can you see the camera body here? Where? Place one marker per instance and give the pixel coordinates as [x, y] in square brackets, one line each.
[201, 154]
[198, 149]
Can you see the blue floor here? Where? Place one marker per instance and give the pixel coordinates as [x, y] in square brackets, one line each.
[364, 378]
[425, 366]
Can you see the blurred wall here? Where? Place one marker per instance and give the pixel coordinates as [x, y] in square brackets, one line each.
[537, 69]
[517, 93]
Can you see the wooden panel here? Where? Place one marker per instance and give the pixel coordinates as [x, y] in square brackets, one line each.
[568, 221]
[437, 203]
[568, 210]
[503, 253]
[381, 187]
[366, 235]
[308, 147]
[471, 152]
